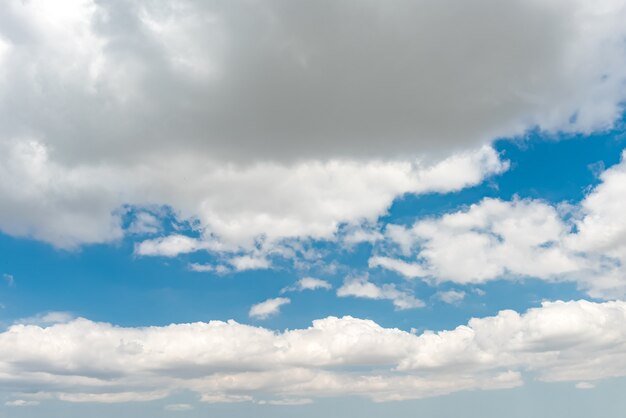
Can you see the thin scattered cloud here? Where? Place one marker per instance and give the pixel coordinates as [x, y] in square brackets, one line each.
[9, 279]
[268, 308]
[307, 283]
[361, 287]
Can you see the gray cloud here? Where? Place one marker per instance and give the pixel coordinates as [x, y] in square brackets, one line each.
[226, 111]
[285, 80]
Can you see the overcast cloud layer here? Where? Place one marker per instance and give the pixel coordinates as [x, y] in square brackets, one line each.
[297, 80]
[280, 119]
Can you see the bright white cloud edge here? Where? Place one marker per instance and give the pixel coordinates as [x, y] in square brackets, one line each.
[577, 341]
[496, 239]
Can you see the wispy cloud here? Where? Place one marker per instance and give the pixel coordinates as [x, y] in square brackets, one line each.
[267, 308]
[361, 287]
[307, 283]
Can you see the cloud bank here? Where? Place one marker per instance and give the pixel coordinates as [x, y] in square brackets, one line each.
[81, 360]
[259, 124]
[281, 81]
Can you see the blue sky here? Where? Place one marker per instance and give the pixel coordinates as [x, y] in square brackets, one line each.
[259, 209]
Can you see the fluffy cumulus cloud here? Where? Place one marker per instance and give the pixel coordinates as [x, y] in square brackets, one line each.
[496, 239]
[231, 362]
[271, 120]
[234, 206]
[601, 233]
[486, 241]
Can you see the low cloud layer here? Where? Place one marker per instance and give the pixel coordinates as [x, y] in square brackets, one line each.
[82, 360]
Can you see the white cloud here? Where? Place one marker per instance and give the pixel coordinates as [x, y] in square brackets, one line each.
[54, 317]
[361, 233]
[144, 223]
[224, 398]
[451, 296]
[490, 240]
[229, 362]
[287, 402]
[408, 270]
[21, 402]
[268, 308]
[169, 246]
[54, 203]
[493, 238]
[113, 397]
[233, 206]
[246, 262]
[307, 200]
[307, 283]
[173, 245]
[361, 287]
[202, 268]
[585, 385]
[601, 234]
[178, 407]
[496, 239]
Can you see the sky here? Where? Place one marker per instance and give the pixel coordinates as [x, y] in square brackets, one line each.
[296, 208]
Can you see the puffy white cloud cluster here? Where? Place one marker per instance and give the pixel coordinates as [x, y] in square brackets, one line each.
[268, 121]
[601, 233]
[488, 240]
[497, 239]
[235, 206]
[83, 360]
